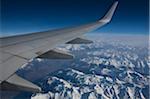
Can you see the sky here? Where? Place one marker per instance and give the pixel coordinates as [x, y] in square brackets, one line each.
[26, 16]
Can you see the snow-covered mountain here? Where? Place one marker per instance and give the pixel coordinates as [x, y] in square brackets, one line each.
[72, 84]
[100, 70]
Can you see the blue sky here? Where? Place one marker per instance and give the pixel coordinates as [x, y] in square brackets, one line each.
[26, 16]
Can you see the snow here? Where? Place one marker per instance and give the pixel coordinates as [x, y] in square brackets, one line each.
[131, 92]
[105, 71]
[41, 96]
[92, 96]
[66, 84]
[119, 72]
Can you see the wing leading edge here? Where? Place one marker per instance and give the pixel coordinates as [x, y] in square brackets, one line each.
[16, 51]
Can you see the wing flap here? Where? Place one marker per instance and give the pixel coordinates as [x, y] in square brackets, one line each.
[17, 83]
[56, 54]
[79, 41]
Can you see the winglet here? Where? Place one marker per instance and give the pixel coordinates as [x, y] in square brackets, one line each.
[107, 18]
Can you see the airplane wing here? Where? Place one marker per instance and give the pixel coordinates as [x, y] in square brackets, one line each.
[16, 51]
